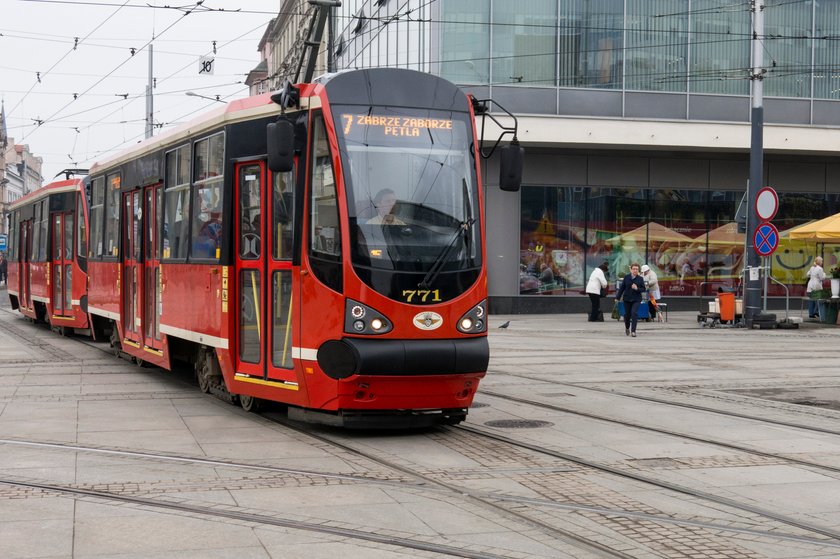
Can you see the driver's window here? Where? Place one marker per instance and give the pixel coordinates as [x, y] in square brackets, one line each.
[325, 239]
[250, 218]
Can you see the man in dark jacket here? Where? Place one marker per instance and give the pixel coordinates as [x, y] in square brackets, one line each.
[631, 289]
[4, 268]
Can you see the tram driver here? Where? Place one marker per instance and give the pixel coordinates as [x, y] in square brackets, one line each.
[384, 202]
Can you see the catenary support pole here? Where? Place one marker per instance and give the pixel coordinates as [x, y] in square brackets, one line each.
[150, 102]
[752, 287]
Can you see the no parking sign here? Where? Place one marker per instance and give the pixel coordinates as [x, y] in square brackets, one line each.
[766, 239]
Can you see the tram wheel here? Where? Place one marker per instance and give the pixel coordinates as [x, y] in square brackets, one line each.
[201, 373]
[249, 403]
[115, 342]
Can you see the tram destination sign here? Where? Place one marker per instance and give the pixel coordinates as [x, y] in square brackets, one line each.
[393, 126]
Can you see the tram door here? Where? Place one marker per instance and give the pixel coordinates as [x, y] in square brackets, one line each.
[152, 218]
[62, 263]
[132, 272]
[263, 278]
[24, 272]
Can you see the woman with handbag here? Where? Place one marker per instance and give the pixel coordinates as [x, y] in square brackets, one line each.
[597, 288]
[631, 289]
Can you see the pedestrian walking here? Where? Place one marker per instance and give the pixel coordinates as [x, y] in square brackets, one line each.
[597, 288]
[652, 286]
[4, 269]
[630, 291]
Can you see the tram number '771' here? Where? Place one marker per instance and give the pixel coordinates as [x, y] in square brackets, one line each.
[423, 294]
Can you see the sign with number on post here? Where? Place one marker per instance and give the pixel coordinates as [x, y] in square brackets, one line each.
[205, 65]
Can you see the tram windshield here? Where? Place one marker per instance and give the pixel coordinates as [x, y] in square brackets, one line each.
[412, 192]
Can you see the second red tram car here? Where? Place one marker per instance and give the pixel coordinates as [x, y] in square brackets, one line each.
[47, 269]
[327, 253]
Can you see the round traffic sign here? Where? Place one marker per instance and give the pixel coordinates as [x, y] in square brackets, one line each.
[766, 203]
[766, 239]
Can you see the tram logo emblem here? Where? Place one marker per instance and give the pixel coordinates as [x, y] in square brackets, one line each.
[428, 320]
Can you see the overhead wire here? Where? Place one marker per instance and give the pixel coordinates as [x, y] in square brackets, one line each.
[75, 46]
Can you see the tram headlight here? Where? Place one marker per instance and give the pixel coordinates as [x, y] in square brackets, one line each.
[473, 321]
[362, 319]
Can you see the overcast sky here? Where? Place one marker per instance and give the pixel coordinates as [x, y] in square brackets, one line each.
[39, 36]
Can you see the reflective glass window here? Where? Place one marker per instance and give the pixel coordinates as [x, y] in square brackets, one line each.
[590, 43]
[787, 26]
[827, 50]
[250, 212]
[281, 324]
[465, 41]
[524, 42]
[720, 47]
[657, 45]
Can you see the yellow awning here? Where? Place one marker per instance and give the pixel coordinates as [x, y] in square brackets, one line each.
[826, 230]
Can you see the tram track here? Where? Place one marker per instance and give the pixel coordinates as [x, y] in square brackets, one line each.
[543, 504]
[834, 535]
[429, 483]
[263, 519]
[684, 405]
[659, 430]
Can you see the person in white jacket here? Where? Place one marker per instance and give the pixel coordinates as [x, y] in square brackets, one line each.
[597, 283]
[816, 277]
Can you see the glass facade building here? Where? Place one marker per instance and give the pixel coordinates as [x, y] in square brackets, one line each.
[576, 63]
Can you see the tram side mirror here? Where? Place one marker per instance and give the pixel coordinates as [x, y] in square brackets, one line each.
[280, 142]
[511, 163]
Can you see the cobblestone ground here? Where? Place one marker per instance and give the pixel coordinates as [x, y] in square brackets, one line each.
[509, 502]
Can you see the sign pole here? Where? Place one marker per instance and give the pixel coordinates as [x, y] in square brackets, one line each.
[752, 288]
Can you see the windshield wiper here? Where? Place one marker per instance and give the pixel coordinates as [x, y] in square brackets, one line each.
[434, 271]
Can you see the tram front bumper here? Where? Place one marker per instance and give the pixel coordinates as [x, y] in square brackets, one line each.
[340, 359]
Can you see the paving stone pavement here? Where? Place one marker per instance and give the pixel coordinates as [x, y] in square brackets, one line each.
[72, 417]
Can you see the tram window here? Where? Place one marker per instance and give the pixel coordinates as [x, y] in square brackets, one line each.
[207, 225]
[43, 247]
[250, 232]
[158, 221]
[112, 215]
[11, 254]
[281, 323]
[249, 316]
[176, 224]
[207, 200]
[96, 212]
[283, 213]
[57, 247]
[36, 232]
[175, 231]
[81, 238]
[325, 232]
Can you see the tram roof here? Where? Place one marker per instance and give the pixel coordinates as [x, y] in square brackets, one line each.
[57, 187]
[239, 110]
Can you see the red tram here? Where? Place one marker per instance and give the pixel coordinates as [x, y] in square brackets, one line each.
[48, 255]
[327, 254]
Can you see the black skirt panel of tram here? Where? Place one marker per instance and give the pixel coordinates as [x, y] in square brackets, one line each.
[343, 358]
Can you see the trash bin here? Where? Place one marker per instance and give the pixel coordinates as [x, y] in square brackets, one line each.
[727, 307]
